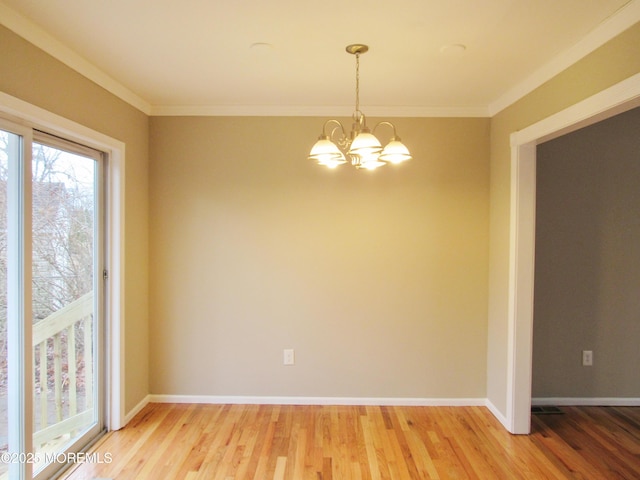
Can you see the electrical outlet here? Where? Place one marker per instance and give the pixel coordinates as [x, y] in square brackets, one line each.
[289, 356]
[587, 358]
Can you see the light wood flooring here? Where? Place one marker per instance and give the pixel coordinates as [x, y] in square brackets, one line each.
[178, 441]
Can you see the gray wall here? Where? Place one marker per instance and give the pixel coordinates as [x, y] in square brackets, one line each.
[587, 284]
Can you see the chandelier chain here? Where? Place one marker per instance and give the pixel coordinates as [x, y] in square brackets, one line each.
[357, 82]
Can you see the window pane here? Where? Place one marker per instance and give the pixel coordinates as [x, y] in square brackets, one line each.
[64, 204]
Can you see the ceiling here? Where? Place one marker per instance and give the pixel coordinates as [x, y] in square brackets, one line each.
[289, 55]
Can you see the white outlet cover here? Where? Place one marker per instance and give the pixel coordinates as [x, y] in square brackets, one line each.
[289, 356]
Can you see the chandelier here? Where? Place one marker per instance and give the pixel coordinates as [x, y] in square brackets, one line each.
[361, 146]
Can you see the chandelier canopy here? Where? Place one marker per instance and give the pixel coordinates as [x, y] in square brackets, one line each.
[361, 146]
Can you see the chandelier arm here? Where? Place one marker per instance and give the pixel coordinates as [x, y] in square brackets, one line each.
[341, 138]
[395, 134]
[338, 125]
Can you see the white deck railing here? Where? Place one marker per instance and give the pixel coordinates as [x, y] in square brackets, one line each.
[54, 338]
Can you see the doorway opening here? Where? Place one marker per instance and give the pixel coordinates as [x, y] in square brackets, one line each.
[616, 99]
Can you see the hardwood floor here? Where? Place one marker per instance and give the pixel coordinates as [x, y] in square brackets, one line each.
[177, 441]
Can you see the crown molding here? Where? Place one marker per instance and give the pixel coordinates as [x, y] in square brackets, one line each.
[314, 111]
[624, 18]
[34, 34]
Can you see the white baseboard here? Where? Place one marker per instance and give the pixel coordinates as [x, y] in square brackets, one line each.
[587, 402]
[251, 400]
[497, 413]
[378, 401]
[135, 410]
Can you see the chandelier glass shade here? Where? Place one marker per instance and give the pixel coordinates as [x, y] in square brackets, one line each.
[360, 147]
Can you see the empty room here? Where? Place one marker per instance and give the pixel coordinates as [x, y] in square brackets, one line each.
[330, 241]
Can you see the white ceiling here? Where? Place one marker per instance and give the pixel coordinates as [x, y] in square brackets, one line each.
[175, 56]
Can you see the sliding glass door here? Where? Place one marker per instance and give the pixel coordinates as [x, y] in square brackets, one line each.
[51, 297]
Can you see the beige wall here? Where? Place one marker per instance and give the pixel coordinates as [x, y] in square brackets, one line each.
[377, 280]
[587, 257]
[28, 73]
[612, 63]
